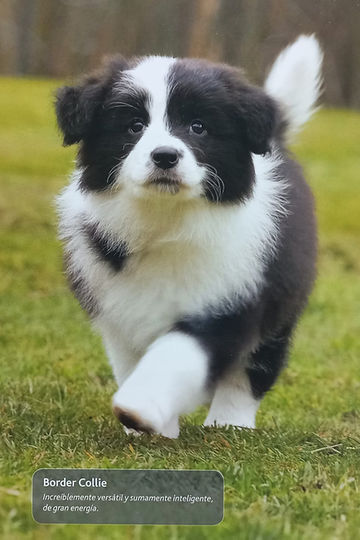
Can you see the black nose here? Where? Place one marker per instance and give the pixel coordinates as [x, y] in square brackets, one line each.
[165, 157]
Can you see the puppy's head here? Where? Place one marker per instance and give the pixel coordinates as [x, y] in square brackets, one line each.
[161, 125]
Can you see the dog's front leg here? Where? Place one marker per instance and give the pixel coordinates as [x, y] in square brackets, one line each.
[169, 380]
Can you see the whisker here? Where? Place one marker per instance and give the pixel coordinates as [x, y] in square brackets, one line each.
[219, 182]
[113, 170]
[214, 189]
[215, 182]
[214, 172]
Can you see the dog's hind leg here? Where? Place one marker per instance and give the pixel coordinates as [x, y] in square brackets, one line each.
[238, 394]
[233, 403]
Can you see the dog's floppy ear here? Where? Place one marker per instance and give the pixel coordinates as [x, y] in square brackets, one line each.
[258, 116]
[255, 113]
[75, 108]
[76, 105]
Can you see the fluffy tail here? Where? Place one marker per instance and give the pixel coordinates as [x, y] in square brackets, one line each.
[295, 81]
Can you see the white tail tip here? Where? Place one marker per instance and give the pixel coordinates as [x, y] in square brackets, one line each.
[295, 81]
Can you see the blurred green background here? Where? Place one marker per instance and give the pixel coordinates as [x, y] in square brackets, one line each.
[59, 38]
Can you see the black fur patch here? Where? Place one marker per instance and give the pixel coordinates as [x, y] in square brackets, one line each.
[110, 142]
[97, 113]
[239, 119]
[76, 106]
[112, 252]
[266, 363]
[226, 337]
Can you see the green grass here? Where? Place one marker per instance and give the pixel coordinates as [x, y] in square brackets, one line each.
[295, 477]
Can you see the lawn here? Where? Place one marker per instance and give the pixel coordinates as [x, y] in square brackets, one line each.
[296, 477]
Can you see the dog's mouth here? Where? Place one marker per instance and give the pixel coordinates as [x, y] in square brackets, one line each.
[165, 184]
[165, 181]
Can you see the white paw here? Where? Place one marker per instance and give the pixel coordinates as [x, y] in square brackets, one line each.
[143, 415]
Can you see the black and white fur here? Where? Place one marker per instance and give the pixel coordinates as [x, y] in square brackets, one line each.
[189, 230]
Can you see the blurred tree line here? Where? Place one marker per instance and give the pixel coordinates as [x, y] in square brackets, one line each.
[65, 37]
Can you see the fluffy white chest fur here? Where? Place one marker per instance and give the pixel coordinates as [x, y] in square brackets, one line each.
[183, 258]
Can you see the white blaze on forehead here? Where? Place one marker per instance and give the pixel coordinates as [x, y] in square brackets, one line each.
[151, 75]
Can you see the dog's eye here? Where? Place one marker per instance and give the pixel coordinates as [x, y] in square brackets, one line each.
[136, 126]
[197, 127]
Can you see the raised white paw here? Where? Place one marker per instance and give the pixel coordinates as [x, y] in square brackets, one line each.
[141, 415]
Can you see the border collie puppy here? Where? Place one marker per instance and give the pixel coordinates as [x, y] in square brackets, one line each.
[189, 230]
